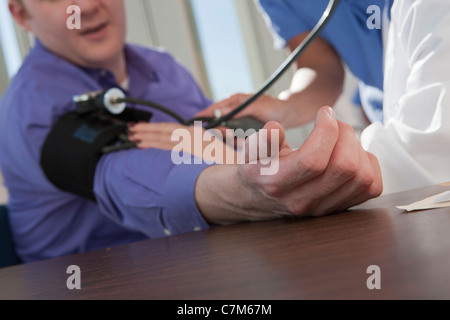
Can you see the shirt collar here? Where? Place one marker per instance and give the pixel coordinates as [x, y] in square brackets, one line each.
[140, 71]
[104, 78]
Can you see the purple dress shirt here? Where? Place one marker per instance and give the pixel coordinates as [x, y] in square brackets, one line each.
[140, 194]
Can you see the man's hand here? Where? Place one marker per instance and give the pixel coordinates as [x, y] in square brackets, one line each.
[329, 173]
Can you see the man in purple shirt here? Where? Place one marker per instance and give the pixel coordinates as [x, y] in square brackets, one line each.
[141, 193]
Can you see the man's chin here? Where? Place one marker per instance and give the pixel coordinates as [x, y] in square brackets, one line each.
[96, 59]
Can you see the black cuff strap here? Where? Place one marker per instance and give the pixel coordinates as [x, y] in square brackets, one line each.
[76, 143]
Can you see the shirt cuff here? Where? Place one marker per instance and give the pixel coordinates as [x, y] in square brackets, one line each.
[180, 208]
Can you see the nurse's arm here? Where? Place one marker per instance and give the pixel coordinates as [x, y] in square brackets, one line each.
[318, 81]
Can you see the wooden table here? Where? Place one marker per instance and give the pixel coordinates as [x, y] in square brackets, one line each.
[313, 258]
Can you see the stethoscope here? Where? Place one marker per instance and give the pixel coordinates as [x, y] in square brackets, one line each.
[114, 99]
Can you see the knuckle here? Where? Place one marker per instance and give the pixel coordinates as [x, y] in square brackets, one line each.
[241, 97]
[320, 212]
[346, 168]
[376, 190]
[370, 187]
[236, 97]
[365, 183]
[367, 179]
[377, 183]
[298, 207]
[272, 190]
[312, 166]
[348, 129]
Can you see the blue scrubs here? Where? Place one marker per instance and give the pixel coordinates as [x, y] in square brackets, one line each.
[360, 47]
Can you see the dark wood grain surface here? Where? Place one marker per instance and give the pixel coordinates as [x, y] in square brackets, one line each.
[313, 258]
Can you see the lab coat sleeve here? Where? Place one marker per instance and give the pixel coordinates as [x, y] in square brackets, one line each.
[413, 145]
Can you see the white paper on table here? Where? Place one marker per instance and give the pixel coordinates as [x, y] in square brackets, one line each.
[441, 200]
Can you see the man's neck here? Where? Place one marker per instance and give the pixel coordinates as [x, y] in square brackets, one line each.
[118, 67]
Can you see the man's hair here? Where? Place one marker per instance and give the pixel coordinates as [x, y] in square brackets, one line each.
[20, 2]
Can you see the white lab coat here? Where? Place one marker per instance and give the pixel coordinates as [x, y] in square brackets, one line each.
[413, 145]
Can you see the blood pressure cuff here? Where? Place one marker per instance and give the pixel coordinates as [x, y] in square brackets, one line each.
[76, 143]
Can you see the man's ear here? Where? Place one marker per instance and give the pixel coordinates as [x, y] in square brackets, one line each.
[19, 13]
